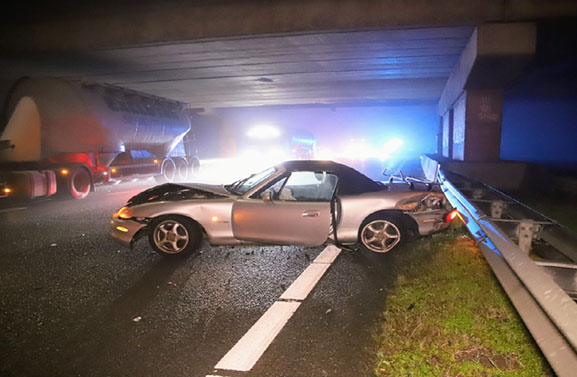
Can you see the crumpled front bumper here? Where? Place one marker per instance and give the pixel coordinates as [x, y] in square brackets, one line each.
[124, 231]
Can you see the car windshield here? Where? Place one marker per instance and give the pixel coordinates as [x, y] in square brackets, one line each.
[244, 185]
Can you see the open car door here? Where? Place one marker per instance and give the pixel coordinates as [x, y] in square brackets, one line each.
[293, 211]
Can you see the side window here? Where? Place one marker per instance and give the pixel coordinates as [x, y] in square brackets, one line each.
[274, 189]
[308, 186]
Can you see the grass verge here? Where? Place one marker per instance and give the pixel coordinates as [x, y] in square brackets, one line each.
[448, 316]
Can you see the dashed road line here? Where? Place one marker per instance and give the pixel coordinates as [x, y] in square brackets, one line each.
[248, 350]
[305, 283]
[252, 345]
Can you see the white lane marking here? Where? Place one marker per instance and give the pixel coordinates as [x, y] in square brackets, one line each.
[328, 255]
[246, 352]
[12, 209]
[305, 283]
[252, 345]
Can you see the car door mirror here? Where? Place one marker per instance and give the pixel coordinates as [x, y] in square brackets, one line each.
[266, 197]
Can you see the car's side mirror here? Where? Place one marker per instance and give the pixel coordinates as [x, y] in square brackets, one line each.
[266, 197]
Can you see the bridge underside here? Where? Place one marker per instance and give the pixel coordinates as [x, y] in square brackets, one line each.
[220, 53]
[367, 66]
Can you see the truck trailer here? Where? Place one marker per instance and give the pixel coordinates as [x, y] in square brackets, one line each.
[64, 137]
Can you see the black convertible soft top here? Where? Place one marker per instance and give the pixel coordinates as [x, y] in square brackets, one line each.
[351, 182]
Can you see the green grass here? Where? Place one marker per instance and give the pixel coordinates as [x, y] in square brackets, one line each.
[448, 316]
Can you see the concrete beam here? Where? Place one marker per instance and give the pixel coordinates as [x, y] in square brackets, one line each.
[63, 25]
[493, 57]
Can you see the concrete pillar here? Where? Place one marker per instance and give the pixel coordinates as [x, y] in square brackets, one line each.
[472, 101]
[477, 126]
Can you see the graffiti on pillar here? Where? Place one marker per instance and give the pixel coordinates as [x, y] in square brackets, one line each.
[487, 110]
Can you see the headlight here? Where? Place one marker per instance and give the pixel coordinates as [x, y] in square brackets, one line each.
[125, 213]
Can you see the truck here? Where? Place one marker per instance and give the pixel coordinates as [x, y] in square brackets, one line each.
[65, 137]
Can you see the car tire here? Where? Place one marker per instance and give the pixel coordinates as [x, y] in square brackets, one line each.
[382, 232]
[174, 236]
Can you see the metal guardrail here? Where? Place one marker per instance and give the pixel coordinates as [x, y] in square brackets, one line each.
[546, 309]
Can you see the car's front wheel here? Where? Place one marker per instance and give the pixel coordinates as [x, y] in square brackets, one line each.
[382, 232]
[175, 236]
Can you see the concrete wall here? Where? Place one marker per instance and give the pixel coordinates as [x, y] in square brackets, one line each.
[64, 25]
[459, 127]
[540, 109]
[447, 134]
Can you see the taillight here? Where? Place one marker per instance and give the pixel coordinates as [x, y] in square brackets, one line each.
[451, 215]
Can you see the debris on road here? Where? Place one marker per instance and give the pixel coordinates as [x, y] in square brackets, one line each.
[137, 319]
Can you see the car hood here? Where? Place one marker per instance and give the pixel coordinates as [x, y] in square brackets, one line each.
[174, 192]
[215, 189]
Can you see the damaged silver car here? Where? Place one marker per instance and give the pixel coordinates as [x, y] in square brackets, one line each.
[295, 203]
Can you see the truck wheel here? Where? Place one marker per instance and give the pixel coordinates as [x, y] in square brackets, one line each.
[194, 167]
[181, 169]
[167, 171]
[77, 183]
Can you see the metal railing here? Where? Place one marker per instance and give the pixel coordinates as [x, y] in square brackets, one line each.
[547, 310]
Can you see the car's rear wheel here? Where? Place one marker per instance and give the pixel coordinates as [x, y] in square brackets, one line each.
[175, 236]
[381, 233]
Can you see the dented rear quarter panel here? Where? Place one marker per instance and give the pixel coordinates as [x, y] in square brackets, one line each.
[356, 208]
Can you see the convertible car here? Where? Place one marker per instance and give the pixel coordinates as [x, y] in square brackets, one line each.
[295, 203]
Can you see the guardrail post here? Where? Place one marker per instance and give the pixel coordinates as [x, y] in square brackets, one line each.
[526, 232]
[497, 207]
[477, 194]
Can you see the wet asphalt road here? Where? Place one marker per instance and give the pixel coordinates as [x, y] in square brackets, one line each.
[69, 294]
